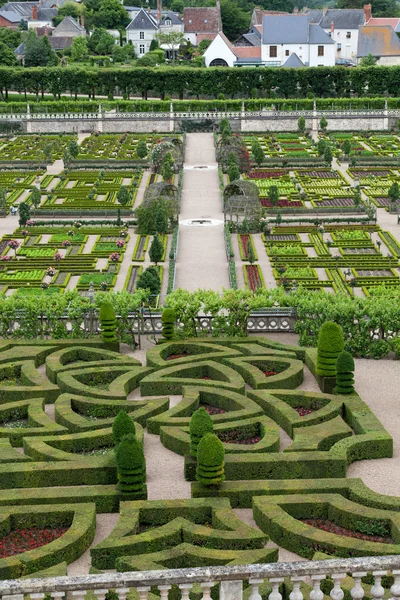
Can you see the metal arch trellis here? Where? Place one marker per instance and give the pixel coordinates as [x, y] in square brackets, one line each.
[241, 198]
[162, 190]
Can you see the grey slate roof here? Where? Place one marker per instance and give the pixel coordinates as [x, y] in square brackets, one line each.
[293, 62]
[20, 50]
[10, 15]
[378, 41]
[70, 26]
[173, 17]
[315, 15]
[345, 18]
[292, 29]
[143, 20]
[46, 14]
[253, 38]
[24, 9]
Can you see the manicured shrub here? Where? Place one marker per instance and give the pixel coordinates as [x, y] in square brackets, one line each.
[200, 424]
[344, 373]
[122, 425]
[149, 280]
[131, 465]
[168, 319]
[330, 345]
[156, 250]
[108, 322]
[210, 461]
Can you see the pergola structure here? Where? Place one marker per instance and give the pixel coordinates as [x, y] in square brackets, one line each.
[165, 191]
[241, 199]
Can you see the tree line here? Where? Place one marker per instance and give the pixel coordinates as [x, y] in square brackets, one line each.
[160, 82]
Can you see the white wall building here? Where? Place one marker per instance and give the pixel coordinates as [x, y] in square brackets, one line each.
[146, 25]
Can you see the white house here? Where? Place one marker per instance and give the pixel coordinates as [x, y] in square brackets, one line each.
[146, 25]
[222, 53]
[342, 25]
[284, 35]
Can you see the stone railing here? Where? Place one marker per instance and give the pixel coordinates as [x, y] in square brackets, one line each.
[230, 579]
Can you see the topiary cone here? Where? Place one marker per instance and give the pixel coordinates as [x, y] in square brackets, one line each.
[330, 345]
[122, 425]
[200, 424]
[168, 319]
[131, 465]
[344, 373]
[108, 322]
[210, 460]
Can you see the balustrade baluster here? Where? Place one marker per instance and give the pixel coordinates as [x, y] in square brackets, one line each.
[164, 589]
[206, 586]
[255, 584]
[185, 589]
[143, 592]
[395, 589]
[79, 594]
[101, 594]
[12, 597]
[57, 595]
[296, 594]
[357, 592]
[38, 596]
[122, 593]
[316, 593]
[377, 590]
[336, 592]
[275, 583]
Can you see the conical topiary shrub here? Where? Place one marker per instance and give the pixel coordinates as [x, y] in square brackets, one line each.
[344, 373]
[168, 319]
[122, 425]
[200, 424]
[330, 345]
[210, 460]
[108, 322]
[131, 465]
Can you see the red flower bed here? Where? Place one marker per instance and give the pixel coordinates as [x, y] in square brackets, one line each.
[213, 410]
[245, 241]
[265, 174]
[269, 373]
[283, 203]
[22, 540]
[303, 411]
[320, 174]
[326, 525]
[174, 356]
[253, 277]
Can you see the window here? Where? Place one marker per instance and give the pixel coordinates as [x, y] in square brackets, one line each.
[168, 22]
[141, 49]
[348, 34]
[339, 47]
[286, 52]
[320, 51]
[141, 35]
[218, 62]
[273, 51]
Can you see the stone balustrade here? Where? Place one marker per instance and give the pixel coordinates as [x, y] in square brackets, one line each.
[231, 579]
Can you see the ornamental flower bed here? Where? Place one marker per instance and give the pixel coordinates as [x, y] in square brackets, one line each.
[114, 257]
[23, 540]
[302, 411]
[330, 527]
[253, 277]
[270, 373]
[265, 174]
[282, 203]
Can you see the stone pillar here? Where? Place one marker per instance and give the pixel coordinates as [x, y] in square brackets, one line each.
[171, 118]
[242, 116]
[28, 119]
[315, 119]
[100, 119]
[386, 116]
[231, 590]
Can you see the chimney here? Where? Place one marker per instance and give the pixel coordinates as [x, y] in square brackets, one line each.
[219, 15]
[367, 12]
[159, 11]
[324, 10]
[295, 10]
[34, 13]
[332, 27]
[82, 21]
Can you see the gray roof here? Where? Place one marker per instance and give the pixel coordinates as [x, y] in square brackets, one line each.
[46, 14]
[24, 9]
[69, 25]
[20, 50]
[294, 62]
[143, 20]
[173, 17]
[253, 38]
[292, 29]
[315, 15]
[378, 41]
[345, 18]
[10, 15]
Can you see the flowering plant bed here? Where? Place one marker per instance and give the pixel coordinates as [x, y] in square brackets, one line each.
[253, 277]
[282, 202]
[302, 411]
[175, 356]
[23, 540]
[330, 527]
[245, 241]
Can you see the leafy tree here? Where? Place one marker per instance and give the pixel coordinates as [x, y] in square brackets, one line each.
[167, 170]
[177, 6]
[149, 280]
[368, 61]
[141, 149]
[112, 15]
[323, 124]
[101, 42]
[258, 154]
[131, 465]
[161, 222]
[346, 147]
[153, 217]
[48, 152]
[225, 127]
[154, 45]
[123, 195]
[24, 214]
[122, 425]
[381, 8]
[35, 197]
[301, 124]
[171, 40]
[328, 157]
[234, 20]
[79, 48]
[73, 147]
[394, 192]
[23, 25]
[200, 424]
[321, 147]
[273, 195]
[38, 52]
[202, 47]
[210, 460]
[69, 9]
[124, 53]
[250, 253]
[156, 250]
[233, 172]
[10, 37]
[7, 56]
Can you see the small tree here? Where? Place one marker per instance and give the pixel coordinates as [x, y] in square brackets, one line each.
[24, 214]
[250, 253]
[200, 424]
[122, 425]
[123, 195]
[35, 197]
[73, 147]
[346, 147]
[131, 465]
[141, 149]
[368, 61]
[328, 157]
[273, 195]
[321, 147]
[210, 460]
[48, 152]
[330, 345]
[156, 250]
[344, 373]
[167, 170]
[225, 127]
[258, 154]
[394, 192]
[301, 124]
[323, 124]
[233, 172]
[149, 280]
[108, 322]
[161, 221]
[168, 319]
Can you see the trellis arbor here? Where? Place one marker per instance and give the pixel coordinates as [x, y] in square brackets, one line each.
[163, 191]
[241, 199]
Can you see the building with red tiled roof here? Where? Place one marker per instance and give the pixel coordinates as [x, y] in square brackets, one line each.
[222, 53]
[394, 23]
[202, 23]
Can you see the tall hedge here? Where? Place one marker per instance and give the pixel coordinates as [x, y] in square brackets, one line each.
[330, 345]
[200, 424]
[122, 425]
[210, 461]
[344, 373]
[131, 465]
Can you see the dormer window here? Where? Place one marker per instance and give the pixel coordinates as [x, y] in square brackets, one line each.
[168, 22]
